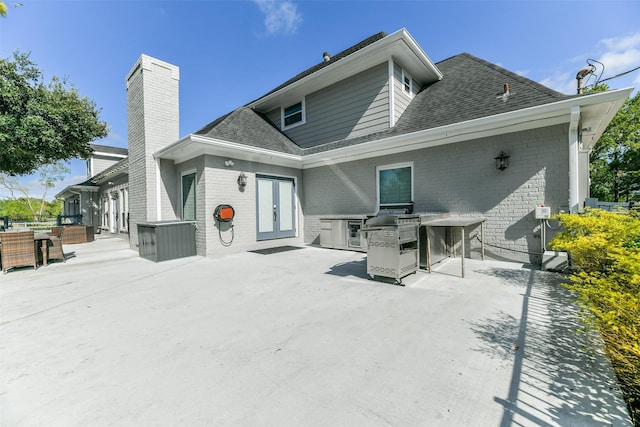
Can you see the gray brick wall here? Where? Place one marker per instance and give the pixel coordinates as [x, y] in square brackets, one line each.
[217, 184]
[152, 108]
[460, 178]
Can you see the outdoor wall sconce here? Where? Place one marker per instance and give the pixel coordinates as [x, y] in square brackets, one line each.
[242, 180]
[502, 161]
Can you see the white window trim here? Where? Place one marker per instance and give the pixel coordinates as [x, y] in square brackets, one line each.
[393, 166]
[182, 175]
[301, 122]
[410, 92]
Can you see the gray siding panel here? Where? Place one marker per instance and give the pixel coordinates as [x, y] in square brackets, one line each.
[401, 99]
[352, 107]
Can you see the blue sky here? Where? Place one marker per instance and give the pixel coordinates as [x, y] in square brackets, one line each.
[231, 52]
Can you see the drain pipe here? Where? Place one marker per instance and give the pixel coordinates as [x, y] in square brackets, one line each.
[574, 149]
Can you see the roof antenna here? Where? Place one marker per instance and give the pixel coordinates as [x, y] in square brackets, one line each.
[582, 74]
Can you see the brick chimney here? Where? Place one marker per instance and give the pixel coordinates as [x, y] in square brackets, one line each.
[152, 112]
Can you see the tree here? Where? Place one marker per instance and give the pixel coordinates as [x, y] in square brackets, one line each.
[615, 160]
[37, 207]
[3, 9]
[42, 123]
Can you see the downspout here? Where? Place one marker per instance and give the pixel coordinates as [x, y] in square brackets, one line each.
[158, 191]
[574, 150]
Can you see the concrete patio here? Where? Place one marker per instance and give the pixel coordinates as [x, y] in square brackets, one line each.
[298, 338]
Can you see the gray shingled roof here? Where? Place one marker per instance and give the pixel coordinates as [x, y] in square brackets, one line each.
[364, 43]
[247, 127]
[471, 88]
[109, 149]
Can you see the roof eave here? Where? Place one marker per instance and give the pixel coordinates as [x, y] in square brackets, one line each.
[515, 121]
[196, 145]
[73, 189]
[399, 45]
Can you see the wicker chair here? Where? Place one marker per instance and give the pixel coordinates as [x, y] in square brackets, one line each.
[54, 245]
[18, 249]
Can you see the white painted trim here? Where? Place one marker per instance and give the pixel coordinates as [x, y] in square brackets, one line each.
[400, 44]
[298, 202]
[158, 192]
[393, 166]
[303, 115]
[182, 175]
[407, 75]
[574, 153]
[515, 121]
[392, 95]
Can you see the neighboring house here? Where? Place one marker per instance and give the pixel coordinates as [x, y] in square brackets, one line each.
[376, 126]
[103, 198]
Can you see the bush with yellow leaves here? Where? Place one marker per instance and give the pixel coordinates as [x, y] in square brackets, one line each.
[604, 248]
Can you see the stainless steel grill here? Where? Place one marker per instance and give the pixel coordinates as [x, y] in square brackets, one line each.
[393, 245]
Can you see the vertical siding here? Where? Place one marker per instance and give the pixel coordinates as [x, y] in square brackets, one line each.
[460, 178]
[401, 99]
[355, 106]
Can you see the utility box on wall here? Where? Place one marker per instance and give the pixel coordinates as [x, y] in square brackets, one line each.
[543, 212]
[165, 240]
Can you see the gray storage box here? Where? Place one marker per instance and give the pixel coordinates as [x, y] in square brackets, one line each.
[165, 240]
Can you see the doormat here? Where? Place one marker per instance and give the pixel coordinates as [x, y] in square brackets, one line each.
[277, 249]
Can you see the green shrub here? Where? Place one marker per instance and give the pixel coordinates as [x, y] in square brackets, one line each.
[604, 248]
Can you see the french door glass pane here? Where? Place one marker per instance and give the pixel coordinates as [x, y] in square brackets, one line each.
[265, 206]
[286, 205]
[189, 197]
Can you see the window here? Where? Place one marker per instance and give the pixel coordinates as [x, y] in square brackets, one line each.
[407, 84]
[189, 197]
[293, 115]
[395, 184]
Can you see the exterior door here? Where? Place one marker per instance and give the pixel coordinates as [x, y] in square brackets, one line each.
[275, 207]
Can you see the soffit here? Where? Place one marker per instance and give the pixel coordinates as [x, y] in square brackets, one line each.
[399, 46]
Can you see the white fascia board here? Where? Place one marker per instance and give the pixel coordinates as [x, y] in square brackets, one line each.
[63, 194]
[399, 45]
[196, 145]
[520, 120]
[515, 121]
[104, 153]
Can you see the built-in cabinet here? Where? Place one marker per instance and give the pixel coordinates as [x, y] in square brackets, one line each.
[343, 233]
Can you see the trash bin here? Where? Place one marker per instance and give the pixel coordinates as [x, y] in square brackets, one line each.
[165, 240]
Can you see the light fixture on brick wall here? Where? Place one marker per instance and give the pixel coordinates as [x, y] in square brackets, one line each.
[242, 180]
[502, 161]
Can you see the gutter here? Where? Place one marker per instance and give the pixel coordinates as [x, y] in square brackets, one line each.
[529, 118]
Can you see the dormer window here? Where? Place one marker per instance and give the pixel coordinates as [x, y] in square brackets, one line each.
[407, 84]
[293, 115]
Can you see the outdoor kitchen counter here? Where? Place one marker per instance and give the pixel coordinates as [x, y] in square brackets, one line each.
[452, 222]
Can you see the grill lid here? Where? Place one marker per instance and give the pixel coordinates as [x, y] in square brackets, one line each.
[388, 219]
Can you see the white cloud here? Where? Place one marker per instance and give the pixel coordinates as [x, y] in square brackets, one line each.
[561, 82]
[280, 16]
[617, 54]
